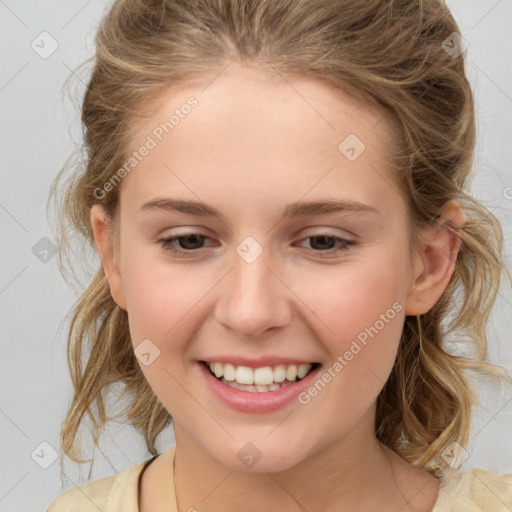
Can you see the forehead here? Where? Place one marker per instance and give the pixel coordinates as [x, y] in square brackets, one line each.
[260, 138]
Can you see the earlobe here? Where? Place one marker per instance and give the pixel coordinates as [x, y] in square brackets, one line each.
[110, 266]
[437, 261]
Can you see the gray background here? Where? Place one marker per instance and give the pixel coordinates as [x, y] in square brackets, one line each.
[39, 127]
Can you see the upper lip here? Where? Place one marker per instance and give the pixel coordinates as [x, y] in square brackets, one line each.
[257, 363]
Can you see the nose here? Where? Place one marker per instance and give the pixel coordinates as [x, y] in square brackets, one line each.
[253, 298]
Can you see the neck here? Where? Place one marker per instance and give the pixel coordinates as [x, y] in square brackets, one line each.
[354, 473]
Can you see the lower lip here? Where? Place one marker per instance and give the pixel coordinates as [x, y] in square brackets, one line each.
[256, 402]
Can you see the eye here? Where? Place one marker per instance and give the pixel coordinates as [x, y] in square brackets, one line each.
[321, 244]
[188, 241]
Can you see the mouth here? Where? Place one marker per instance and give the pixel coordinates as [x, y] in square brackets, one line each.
[259, 380]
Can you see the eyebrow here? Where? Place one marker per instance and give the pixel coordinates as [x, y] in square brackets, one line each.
[295, 209]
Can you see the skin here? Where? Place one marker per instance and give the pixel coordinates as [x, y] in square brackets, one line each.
[252, 145]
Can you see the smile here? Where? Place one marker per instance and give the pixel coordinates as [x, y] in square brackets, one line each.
[261, 379]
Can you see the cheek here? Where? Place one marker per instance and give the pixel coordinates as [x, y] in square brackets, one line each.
[164, 306]
[361, 314]
[158, 294]
[365, 313]
[160, 301]
[355, 297]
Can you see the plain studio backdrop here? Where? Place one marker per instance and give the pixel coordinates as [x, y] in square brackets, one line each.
[41, 43]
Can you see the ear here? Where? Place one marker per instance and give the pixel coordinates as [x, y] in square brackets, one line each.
[436, 262]
[105, 248]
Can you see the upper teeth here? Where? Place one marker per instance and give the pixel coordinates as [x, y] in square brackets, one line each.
[265, 375]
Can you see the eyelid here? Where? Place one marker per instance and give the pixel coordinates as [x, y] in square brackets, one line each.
[346, 245]
[193, 230]
[328, 231]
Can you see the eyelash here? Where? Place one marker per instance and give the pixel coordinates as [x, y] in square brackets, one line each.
[166, 245]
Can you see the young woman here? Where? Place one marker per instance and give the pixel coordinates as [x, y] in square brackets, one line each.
[276, 189]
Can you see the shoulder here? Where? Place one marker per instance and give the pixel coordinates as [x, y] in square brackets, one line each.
[109, 494]
[475, 490]
[84, 497]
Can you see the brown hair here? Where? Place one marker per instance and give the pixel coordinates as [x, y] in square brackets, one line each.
[388, 52]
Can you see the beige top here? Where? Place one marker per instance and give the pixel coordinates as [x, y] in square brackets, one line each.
[475, 490]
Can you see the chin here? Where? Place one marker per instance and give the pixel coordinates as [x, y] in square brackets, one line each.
[262, 456]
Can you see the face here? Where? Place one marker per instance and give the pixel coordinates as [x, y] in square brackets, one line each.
[266, 283]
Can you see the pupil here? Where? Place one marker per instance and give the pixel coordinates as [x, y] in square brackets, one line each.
[187, 239]
[323, 238]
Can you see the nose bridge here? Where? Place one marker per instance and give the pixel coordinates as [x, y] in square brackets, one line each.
[252, 298]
